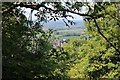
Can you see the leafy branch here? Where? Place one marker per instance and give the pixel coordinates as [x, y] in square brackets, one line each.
[37, 6]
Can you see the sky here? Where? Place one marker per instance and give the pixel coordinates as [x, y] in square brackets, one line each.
[28, 11]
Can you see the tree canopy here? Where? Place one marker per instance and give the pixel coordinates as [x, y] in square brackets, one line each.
[28, 53]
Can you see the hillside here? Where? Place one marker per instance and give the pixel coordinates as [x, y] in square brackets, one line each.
[63, 31]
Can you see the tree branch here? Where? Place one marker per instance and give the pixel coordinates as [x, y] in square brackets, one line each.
[98, 30]
[37, 6]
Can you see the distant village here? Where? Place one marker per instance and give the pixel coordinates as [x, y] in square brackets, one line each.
[58, 43]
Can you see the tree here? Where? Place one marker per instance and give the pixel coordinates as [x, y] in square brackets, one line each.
[108, 59]
[61, 11]
[26, 48]
[27, 52]
[101, 59]
[96, 58]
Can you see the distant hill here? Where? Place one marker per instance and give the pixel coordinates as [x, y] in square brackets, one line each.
[65, 32]
[60, 25]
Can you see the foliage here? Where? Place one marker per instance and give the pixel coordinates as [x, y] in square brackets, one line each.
[27, 53]
[101, 60]
[109, 58]
[26, 49]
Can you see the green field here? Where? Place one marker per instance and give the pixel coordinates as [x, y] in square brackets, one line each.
[69, 33]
